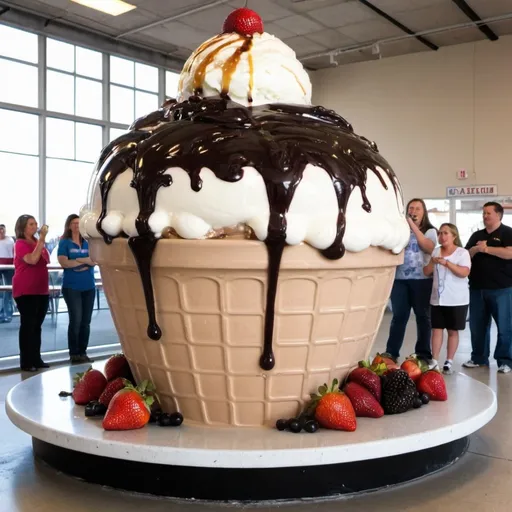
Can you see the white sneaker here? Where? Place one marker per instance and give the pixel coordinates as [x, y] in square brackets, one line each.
[447, 367]
[471, 364]
[432, 364]
[504, 368]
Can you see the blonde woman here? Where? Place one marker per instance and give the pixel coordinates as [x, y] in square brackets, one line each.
[450, 266]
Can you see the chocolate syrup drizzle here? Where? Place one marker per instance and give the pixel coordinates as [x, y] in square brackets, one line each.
[278, 140]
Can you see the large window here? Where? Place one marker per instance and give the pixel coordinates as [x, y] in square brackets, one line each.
[71, 150]
[133, 90]
[171, 84]
[74, 80]
[52, 129]
[19, 166]
[18, 67]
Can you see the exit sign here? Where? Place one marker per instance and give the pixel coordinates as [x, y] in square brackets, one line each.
[472, 191]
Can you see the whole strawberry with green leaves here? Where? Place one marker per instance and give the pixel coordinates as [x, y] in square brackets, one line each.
[130, 408]
[88, 386]
[332, 408]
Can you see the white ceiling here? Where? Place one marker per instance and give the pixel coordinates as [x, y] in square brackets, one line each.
[313, 28]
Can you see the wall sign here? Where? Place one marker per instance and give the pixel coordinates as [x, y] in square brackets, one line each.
[472, 191]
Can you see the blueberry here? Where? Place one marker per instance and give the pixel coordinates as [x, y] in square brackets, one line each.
[425, 398]
[164, 420]
[99, 409]
[311, 426]
[281, 424]
[90, 409]
[155, 415]
[295, 426]
[417, 403]
[176, 419]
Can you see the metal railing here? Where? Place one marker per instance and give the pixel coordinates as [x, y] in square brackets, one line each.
[54, 286]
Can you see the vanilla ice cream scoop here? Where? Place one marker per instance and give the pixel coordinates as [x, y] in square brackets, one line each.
[249, 69]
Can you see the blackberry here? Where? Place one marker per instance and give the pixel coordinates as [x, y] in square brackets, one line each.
[398, 392]
[425, 398]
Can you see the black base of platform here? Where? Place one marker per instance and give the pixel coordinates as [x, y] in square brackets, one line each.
[221, 484]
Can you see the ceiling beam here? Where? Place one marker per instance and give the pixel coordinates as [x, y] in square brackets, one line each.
[402, 27]
[175, 17]
[473, 16]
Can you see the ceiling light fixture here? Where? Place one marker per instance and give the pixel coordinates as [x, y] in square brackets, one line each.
[112, 7]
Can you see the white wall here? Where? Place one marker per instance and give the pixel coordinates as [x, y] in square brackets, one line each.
[432, 113]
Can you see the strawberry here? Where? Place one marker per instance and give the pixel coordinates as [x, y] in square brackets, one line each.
[363, 401]
[414, 368]
[333, 409]
[432, 383]
[117, 366]
[368, 377]
[243, 21]
[130, 408]
[378, 359]
[112, 388]
[88, 386]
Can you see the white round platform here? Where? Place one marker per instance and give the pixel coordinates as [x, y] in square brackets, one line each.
[35, 407]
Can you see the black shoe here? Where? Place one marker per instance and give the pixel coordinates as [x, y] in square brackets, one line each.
[75, 360]
[28, 369]
[86, 359]
[42, 364]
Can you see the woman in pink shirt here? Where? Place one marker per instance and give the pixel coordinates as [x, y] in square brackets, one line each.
[30, 289]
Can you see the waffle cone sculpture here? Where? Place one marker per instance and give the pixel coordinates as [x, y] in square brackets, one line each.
[210, 303]
[247, 247]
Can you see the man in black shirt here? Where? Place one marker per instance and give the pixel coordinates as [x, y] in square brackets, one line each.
[490, 283]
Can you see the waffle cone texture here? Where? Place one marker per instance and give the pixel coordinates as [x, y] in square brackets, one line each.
[210, 298]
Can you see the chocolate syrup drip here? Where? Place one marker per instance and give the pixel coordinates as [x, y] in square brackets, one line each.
[143, 248]
[275, 252]
[278, 140]
[115, 165]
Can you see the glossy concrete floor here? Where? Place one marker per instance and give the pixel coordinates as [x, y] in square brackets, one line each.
[479, 482]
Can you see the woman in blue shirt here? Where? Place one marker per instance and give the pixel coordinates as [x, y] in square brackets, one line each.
[78, 288]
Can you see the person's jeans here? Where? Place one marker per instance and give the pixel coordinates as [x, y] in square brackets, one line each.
[6, 306]
[80, 306]
[484, 305]
[407, 294]
[33, 309]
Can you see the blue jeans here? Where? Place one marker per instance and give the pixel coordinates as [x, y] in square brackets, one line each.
[80, 305]
[483, 306]
[6, 305]
[407, 294]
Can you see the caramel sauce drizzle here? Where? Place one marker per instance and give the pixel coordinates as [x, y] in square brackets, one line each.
[201, 68]
[251, 77]
[296, 79]
[231, 64]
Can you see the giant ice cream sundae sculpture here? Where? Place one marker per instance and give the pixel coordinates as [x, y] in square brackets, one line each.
[247, 240]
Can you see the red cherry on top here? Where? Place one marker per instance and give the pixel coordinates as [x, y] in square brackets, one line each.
[243, 21]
